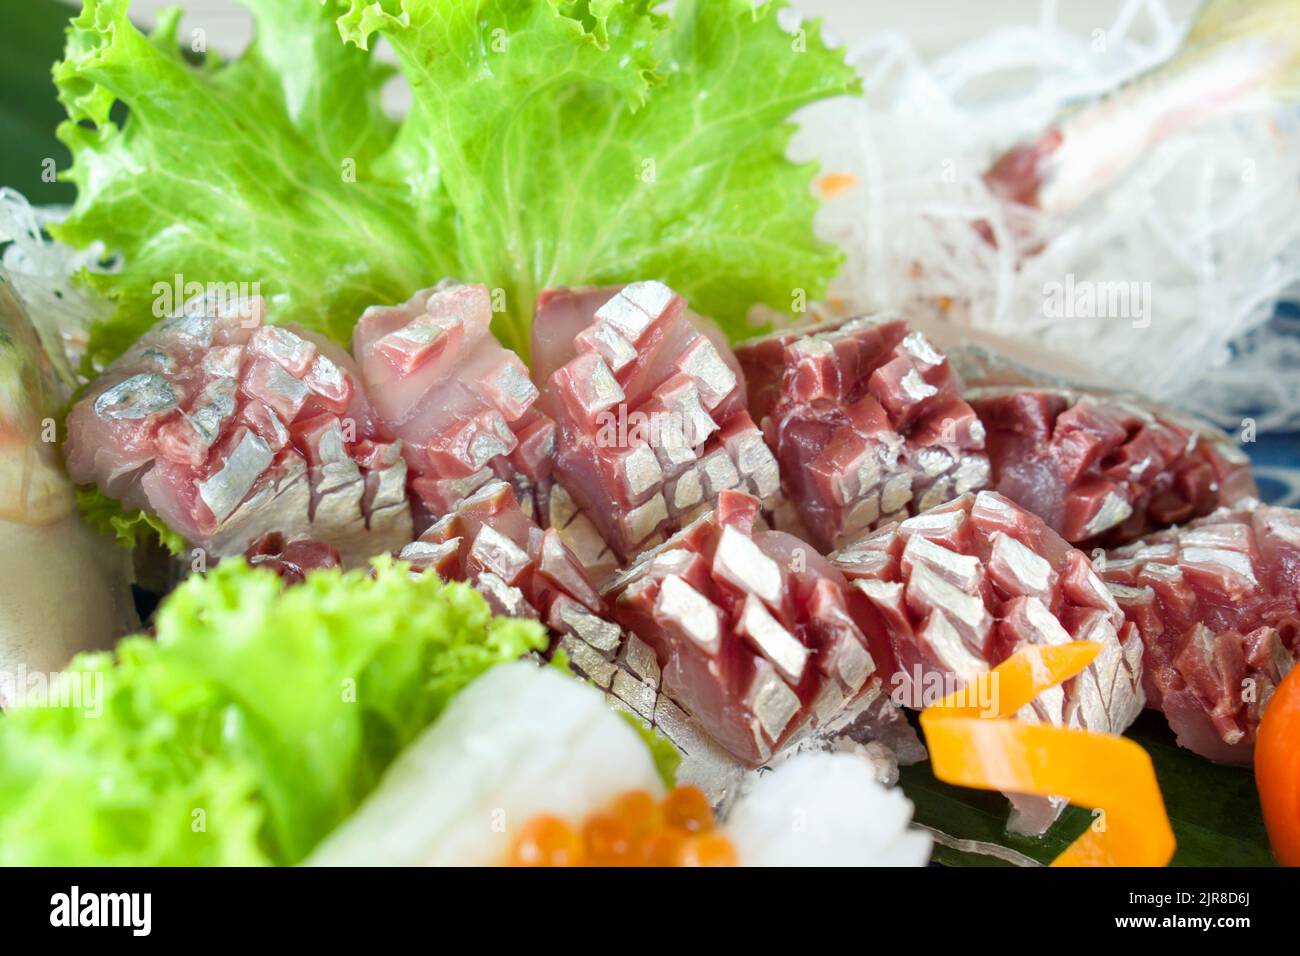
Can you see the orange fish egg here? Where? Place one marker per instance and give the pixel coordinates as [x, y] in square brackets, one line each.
[547, 841]
[661, 847]
[608, 840]
[634, 831]
[707, 849]
[639, 811]
[687, 808]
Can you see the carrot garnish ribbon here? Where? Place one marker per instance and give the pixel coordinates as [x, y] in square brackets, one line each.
[988, 749]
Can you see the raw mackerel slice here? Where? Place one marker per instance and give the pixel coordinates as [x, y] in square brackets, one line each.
[751, 630]
[522, 570]
[292, 560]
[227, 428]
[649, 406]
[867, 424]
[949, 594]
[461, 403]
[1102, 471]
[1217, 603]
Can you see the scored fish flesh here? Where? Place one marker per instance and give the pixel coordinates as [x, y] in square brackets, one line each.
[521, 569]
[949, 594]
[750, 629]
[867, 423]
[1103, 470]
[525, 571]
[649, 405]
[227, 429]
[1217, 603]
[461, 403]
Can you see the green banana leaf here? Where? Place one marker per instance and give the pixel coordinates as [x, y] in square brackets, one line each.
[32, 39]
[1214, 811]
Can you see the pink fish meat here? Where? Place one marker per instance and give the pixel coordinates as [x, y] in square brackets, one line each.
[954, 591]
[1217, 603]
[227, 429]
[649, 407]
[867, 423]
[522, 570]
[461, 403]
[1103, 470]
[751, 629]
[291, 560]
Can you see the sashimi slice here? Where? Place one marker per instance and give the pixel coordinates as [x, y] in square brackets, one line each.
[1217, 603]
[650, 420]
[750, 632]
[867, 423]
[947, 595]
[228, 429]
[461, 403]
[1103, 470]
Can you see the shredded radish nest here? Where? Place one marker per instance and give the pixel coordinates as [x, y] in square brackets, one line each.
[1210, 218]
[42, 272]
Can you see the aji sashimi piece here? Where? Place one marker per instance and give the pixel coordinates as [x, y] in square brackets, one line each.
[1217, 603]
[526, 572]
[867, 423]
[649, 406]
[947, 595]
[1103, 470]
[750, 630]
[522, 570]
[459, 401]
[227, 429]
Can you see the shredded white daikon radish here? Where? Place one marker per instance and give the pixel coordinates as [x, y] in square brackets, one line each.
[1204, 232]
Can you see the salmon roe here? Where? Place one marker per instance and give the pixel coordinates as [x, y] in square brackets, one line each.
[547, 841]
[635, 830]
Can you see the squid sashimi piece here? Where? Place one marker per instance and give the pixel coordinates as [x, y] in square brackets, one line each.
[649, 406]
[227, 429]
[867, 423]
[750, 631]
[460, 402]
[1103, 470]
[518, 742]
[949, 594]
[1217, 603]
[526, 751]
[64, 588]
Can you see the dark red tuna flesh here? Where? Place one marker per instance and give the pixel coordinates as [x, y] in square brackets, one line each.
[291, 560]
[951, 593]
[227, 429]
[1217, 603]
[650, 415]
[867, 423]
[750, 628]
[460, 401]
[1103, 470]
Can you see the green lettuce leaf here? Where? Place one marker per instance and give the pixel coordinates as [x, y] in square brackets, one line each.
[236, 172]
[255, 722]
[128, 529]
[667, 757]
[548, 142]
